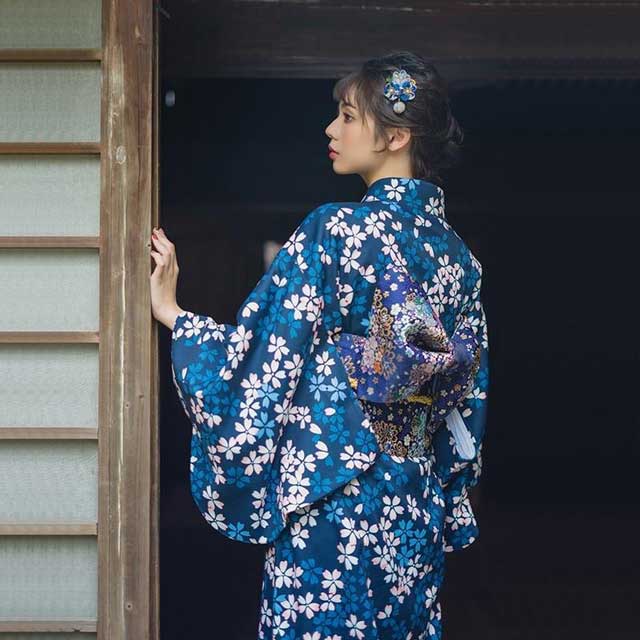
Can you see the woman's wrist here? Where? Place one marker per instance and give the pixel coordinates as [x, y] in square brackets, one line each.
[168, 318]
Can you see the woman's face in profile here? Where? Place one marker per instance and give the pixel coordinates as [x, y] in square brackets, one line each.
[351, 136]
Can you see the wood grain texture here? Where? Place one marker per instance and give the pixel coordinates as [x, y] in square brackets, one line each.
[66, 148]
[49, 337]
[467, 41]
[48, 529]
[48, 433]
[50, 55]
[154, 382]
[49, 242]
[126, 420]
[47, 626]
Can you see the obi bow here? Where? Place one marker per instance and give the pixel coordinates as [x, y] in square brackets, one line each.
[407, 354]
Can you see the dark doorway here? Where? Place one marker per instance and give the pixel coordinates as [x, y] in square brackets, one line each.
[547, 199]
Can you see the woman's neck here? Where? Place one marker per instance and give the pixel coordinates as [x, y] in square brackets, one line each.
[391, 169]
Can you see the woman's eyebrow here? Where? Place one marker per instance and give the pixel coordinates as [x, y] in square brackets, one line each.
[345, 104]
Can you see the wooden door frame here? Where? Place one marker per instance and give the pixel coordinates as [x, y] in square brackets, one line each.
[128, 434]
[128, 518]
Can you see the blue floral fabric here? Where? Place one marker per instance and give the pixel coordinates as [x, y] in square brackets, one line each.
[340, 420]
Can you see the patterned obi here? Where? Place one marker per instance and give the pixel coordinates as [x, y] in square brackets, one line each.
[401, 428]
[408, 374]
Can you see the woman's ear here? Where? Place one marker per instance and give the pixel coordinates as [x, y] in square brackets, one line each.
[399, 137]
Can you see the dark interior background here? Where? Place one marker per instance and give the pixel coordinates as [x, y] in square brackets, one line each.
[547, 198]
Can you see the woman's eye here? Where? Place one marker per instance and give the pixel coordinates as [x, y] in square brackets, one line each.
[346, 115]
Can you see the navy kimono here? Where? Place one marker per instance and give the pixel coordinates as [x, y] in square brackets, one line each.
[340, 420]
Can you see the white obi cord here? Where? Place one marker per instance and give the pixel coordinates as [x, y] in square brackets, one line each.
[464, 443]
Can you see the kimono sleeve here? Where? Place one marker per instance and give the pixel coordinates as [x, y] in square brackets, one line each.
[458, 445]
[275, 423]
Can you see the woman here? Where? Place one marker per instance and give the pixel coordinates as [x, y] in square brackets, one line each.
[340, 420]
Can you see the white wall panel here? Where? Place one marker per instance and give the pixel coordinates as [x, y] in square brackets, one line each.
[50, 101]
[49, 195]
[50, 289]
[48, 577]
[49, 481]
[44, 24]
[49, 385]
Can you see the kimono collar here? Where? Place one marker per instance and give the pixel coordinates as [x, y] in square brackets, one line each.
[413, 194]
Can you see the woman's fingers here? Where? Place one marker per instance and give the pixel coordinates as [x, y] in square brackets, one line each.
[164, 245]
[158, 270]
[161, 242]
[167, 253]
[162, 236]
[163, 249]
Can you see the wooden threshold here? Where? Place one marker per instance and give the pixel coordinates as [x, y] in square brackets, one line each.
[49, 242]
[48, 626]
[68, 148]
[49, 337]
[48, 433]
[48, 529]
[50, 55]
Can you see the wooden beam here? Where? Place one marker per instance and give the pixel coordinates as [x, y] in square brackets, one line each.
[50, 242]
[50, 55]
[48, 626]
[467, 41]
[154, 382]
[66, 148]
[127, 423]
[48, 529]
[49, 337]
[48, 433]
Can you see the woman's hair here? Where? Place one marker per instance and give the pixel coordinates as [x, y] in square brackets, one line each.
[436, 136]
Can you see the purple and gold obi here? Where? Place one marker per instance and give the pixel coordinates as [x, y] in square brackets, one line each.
[407, 373]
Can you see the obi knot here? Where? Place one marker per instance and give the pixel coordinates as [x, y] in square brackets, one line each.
[407, 354]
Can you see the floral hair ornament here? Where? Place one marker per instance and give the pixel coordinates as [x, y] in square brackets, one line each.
[400, 88]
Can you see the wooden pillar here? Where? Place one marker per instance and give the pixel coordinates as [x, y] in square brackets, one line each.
[127, 527]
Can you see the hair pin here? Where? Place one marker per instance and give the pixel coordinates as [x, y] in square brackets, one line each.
[399, 88]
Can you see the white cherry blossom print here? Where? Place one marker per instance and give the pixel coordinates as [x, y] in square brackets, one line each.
[357, 502]
[394, 190]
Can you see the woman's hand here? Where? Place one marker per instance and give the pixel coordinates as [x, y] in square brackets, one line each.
[164, 280]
